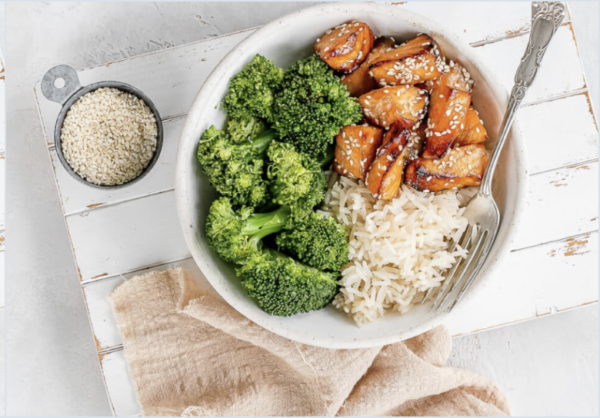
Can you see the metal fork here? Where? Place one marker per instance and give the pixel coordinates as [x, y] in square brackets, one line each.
[482, 211]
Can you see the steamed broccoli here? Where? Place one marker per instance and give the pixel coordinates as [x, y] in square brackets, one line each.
[318, 241]
[237, 235]
[251, 91]
[284, 287]
[235, 169]
[295, 179]
[245, 129]
[312, 105]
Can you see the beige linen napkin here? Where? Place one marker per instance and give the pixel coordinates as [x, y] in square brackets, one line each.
[190, 353]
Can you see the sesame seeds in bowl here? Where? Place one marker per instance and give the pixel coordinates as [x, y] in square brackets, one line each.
[108, 135]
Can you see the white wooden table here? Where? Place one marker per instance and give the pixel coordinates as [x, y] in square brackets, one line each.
[553, 266]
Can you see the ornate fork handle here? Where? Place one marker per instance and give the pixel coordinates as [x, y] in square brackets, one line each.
[546, 18]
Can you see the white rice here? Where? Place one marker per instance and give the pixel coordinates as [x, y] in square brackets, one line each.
[398, 248]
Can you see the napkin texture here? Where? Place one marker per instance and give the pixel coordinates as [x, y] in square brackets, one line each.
[190, 353]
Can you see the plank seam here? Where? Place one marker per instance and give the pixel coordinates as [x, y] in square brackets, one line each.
[85, 283]
[580, 234]
[112, 349]
[575, 164]
[117, 202]
[556, 97]
[497, 39]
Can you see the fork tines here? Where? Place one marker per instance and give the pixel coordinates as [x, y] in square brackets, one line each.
[474, 241]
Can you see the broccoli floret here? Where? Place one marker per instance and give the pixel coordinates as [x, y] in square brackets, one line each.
[284, 287]
[318, 241]
[235, 170]
[243, 130]
[295, 179]
[251, 91]
[312, 106]
[236, 234]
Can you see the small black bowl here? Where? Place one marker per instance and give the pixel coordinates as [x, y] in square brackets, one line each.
[72, 91]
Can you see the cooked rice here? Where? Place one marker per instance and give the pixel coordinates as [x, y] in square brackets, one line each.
[398, 248]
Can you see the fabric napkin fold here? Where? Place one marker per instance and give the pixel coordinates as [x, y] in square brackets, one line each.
[190, 353]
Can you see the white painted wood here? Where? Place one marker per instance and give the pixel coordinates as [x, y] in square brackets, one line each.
[534, 282]
[555, 139]
[77, 197]
[120, 238]
[478, 22]
[560, 72]
[119, 384]
[101, 315]
[560, 204]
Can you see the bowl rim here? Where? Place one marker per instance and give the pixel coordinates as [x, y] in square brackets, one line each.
[185, 213]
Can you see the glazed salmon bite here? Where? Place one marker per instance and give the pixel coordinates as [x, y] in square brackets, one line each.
[346, 46]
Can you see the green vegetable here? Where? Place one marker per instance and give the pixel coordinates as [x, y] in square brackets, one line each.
[246, 129]
[295, 179]
[251, 92]
[318, 241]
[312, 105]
[236, 169]
[236, 234]
[284, 287]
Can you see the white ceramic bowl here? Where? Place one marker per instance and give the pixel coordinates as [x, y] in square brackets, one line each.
[284, 41]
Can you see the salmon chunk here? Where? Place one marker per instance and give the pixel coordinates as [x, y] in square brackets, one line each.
[360, 81]
[461, 167]
[346, 46]
[406, 104]
[415, 61]
[355, 150]
[385, 173]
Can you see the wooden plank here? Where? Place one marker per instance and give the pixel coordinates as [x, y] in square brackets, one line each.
[151, 223]
[190, 64]
[561, 71]
[559, 132]
[125, 237]
[171, 78]
[119, 385]
[534, 282]
[101, 316]
[77, 197]
[560, 204]
[534, 273]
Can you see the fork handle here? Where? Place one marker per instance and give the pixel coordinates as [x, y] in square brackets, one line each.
[546, 18]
